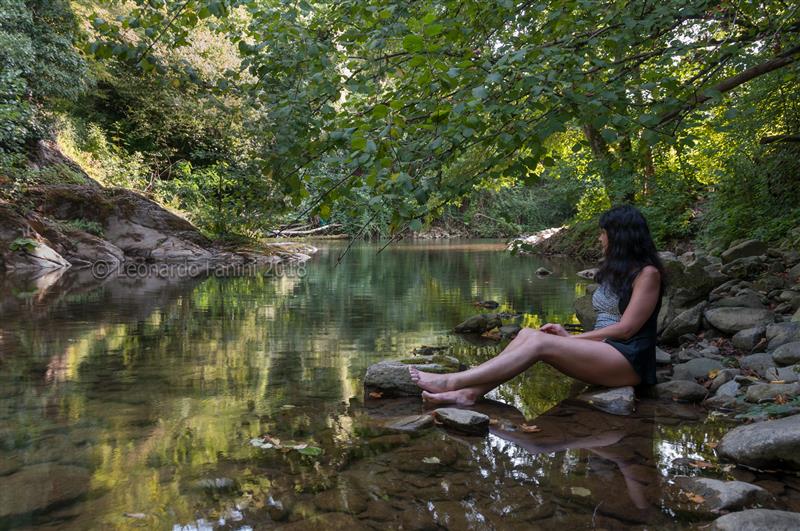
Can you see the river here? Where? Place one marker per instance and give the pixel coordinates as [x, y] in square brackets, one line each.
[132, 403]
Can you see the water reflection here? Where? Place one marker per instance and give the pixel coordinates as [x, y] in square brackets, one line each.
[132, 402]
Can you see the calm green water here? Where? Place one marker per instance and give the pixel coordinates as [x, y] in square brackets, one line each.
[132, 403]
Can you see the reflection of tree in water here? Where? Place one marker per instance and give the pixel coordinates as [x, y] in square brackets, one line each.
[167, 379]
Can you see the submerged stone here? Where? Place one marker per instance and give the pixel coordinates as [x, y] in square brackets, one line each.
[723, 495]
[463, 420]
[411, 423]
[38, 487]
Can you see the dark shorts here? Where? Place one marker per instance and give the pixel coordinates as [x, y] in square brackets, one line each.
[641, 354]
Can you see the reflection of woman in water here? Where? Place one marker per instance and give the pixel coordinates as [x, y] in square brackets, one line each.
[619, 351]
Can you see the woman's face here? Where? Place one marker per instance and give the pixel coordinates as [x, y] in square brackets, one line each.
[603, 239]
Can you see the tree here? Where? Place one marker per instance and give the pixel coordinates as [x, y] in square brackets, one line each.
[395, 92]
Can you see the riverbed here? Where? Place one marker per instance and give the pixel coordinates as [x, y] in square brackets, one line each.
[133, 402]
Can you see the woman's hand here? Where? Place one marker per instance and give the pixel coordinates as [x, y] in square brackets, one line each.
[555, 329]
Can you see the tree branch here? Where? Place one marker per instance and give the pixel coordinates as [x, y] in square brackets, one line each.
[732, 82]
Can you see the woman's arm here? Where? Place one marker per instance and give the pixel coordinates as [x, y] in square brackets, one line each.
[644, 298]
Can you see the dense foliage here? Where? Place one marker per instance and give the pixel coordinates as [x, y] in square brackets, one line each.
[386, 115]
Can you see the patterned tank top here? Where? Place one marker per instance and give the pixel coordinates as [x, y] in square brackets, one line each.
[606, 303]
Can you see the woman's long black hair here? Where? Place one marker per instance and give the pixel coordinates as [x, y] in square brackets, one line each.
[630, 249]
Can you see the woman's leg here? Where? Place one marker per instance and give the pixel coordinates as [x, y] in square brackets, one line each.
[591, 361]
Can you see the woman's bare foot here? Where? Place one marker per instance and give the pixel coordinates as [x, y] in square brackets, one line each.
[428, 381]
[462, 397]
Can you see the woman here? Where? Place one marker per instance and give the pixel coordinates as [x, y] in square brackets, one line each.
[619, 351]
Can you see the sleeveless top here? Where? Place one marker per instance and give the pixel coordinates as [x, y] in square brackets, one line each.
[639, 349]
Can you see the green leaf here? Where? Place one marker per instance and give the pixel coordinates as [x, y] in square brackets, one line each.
[413, 43]
[380, 111]
[358, 143]
[433, 30]
[480, 92]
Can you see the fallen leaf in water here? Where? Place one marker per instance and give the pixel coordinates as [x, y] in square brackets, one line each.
[580, 491]
[313, 451]
[431, 460]
[701, 464]
[713, 374]
[288, 406]
[138, 516]
[376, 394]
[712, 445]
[780, 399]
[695, 498]
[530, 429]
[778, 382]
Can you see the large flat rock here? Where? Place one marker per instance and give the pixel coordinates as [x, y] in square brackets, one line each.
[463, 420]
[392, 376]
[758, 520]
[617, 400]
[767, 444]
[731, 320]
[723, 495]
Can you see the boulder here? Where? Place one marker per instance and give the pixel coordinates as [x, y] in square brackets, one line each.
[689, 283]
[509, 331]
[744, 299]
[724, 376]
[768, 392]
[788, 374]
[543, 271]
[617, 401]
[723, 495]
[695, 369]
[745, 268]
[758, 363]
[663, 357]
[744, 249]
[730, 320]
[728, 389]
[463, 420]
[796, 316]
[757, 520]
[748, 338]
[686, 322]
[794, 273]
[585, 311]
[787, 354]
[478, 324]
[38, 487]
[392, 376]
[588, 274]
[767, 444]
[682, 390]
[781, 333]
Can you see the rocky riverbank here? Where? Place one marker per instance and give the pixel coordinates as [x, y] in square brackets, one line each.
[77, 226]
[729, 340]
